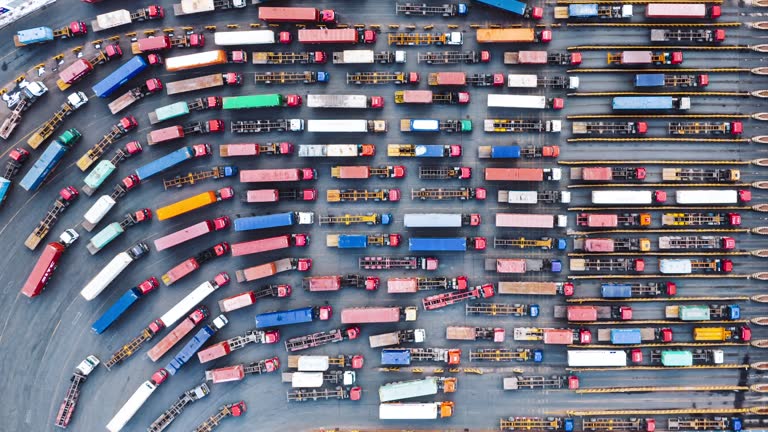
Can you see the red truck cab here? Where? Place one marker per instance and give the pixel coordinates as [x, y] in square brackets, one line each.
[238, 409]
[127, 123]
[283, 290]
[133, 147]
[485, 56]
[293, 100]
[377, 102]
[499, 334]
[130, 181]
[221, 279]
[230, 79]
[237, 56]
[394, 239]
[304, 264]
[585, 337]
[636, 356]
[676, 57]
[78, 28]
[325, 313]
[367, 150]
[745, 195]
[659, 196]
[155, 59]
[284, 37]
[68, 193]
[719, 35]
[272, 364]
[546, 35]
[394, 195]
[463, 98]
[148, 285]
[221, 248]
[308, 173]
[159, 377]
[575, 59]
[413, 78]
[498, 80]
[352, 332]
[398, 171]
[671, 288]
[745, 333]
[142, 215]
[113, 50]
[221, 223]
[650, 425]
[550, 151]
[573, 382]
[19, 154]
[273, 336]
[197, 40]
[327, 16]
[372, 283]
[156, 12]
[226, 193]
[201, 150]
[665, 335]
[480, 194]
[625, 312]
[479, 243]
[568, 289]
[355, 393]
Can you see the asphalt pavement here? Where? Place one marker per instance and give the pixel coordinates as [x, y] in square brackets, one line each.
[43, 339]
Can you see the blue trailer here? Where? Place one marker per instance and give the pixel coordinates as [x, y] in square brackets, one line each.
[582, 11]
[43, 166]
[649, 80]
[616, 290]
[396, 357]
[352, 241]
[435, 150]
[5, 186]
[194, 344]
[653, 103]
[429, 244]
[163, 163]
[120, 76]
[122, 304]
[626, 336]
[505, 152]
[513, 6]
[293, 316]
[33, 36]
[265, 221]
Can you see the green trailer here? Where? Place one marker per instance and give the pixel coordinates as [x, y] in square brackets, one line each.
[96, 177]
[168, 112]
[109, 233]
[252, 101]
[694, 313]
[671, 358]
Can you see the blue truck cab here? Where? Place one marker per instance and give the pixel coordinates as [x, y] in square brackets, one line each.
[734, 312]
[538, 356]
[323, 77]
[561, 244]
[568, 425]
[556, 266]
[533, 310]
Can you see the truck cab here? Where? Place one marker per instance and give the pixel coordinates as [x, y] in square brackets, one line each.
[197, 40]
[304, 264]
[585, 336]
[533, 310]
[88, 365]
[237, 56]
[155, 59]
[623, 313]
[148, 285]
[271, 364]
[78, 28]
[221, 223]
[127, 123]
[665, 335]
[68, 193]
[273, 336]
[636, 356]
[327, 16]
[538, 356]
[293, 100]
[324, 313]
[284, 37]
[113, 51]
[371, 283]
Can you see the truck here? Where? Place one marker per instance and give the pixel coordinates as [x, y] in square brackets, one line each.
[188, 7]
[46, 264]
[65, 197]
[436, 125]
[122, 304]
[542, 58]
[627, 197]
[301, 343]
[67, 408]
[276, 195]
[224, 348]
[415, 411]
[440, 301]
[122, 17]
[589, 11]
[200, 83]
[368, 57]
[535, 382]
[383, 77]
[495, 334]
[274, 220]
[362, 241]
[42, 168]
[607, 264]
[397, 338]
[524, 102]
[83, 66]
[676, 10]
[593, 313]
[238, 372]
[337, 282]
[440, 220]
[115, 229]
[368, 315]
[73, 102]
[269, 244]
[597, 358]
[188, 324]
[446, 244]
[512, 35]
[296, 14]
[214, 173]
[239, 301]
[443, 194]
[150, 86]
[191, 264]
[699, 423]
[257, 126]
[347, 125]
[168, 416]
[191, 232]
[40, 35]
[171, 160]
[20, 101]
[406, 356]
[178, 109]
[284, 58]
[112, 270]
[671, 80]
[234, 410]
[535, 288]
[639, 290]
[656, 58]
[508, 125]
[681, 358]
[336, 36]
[722, 334]
[522, 265]
[204, 59]
[486, 79]
[254, 149]
[117, 131]
[609, 128]
[654, 103]
[293, 316]
[608, 174]
[105, 168]
[270, 269]
[336, 150]
[344, 101]
[170, 133]
[634, 336]
[535, 81]
[588, 220]
[395, 391]
[703, 312]
[706, 128]
[415, 284]
[446, 10]
[608, 245]
[322, 363]
[398, 263]
[688, 266]
[534, 197]
[194, 202]
[428, 97]
[527, 220]
[696, 242]
[543, 243]
[194, 344]
[454, 57]
[553, 336]
[248, 37]
[120, 76]
[136, 401]
[707, 196]
[702, 219]
[688, 35]
[515, 7]
[366, 172]
[424, 39]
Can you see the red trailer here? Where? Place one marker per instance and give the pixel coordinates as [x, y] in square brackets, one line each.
[214, 351]
[296, 14]
[336, 282]
[165, 134]
[237, 301]
[270, 244]
[277, 175]
[75, 71]
[336, 36]
[191, 232]
[226, 374]
[558, 336]
[613, 220]
[377, 315]
[510, 265]
[403, 286]
[520, 174]
[253, 149]
[525, 220]
[447, 79]
[43, 269]
[598, 245]
[681, 10]
[154, 44]
[196, 317]
[582, 313]
[273, 195]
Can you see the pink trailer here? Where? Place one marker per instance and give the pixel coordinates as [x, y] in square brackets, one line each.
[402, 286]
[370, 315]
[523, 220]
[510, 265]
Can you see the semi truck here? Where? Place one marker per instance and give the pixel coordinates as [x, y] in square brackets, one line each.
[361, 241]
[722, 334]
[122, 304]
[454, 57]
[336, 150]
[651, 103]
[634, 336]
[436, 125]
[707, 196]
[671, 80]
[191, 232]
[344, 101]
[608, 174]
[502, 309]
[301, 343]
[74, 101]
[67, 408]
[293, 316]
[703, 312]
[276, 195]
[346, 125]
[296, 14]
[120, 76]
[415, 411]
[123, 17]
[681, 358]
[440, 220]
[639, 290]
[39, 35]
[590, 11]
[306, 77]
[354, 195]
[254, 149]
[161, 43]
[136, 401]
[607, 264]
[188, 7]
[401, 263]
[19, 101]
[534, 382]
[192, 395]
[515, 7]
[512, 35]
[678, 11]
[239, 301]
[199, 83]
[397, 78]
[366, 172]
[535, 288]
[416, 284]
[521, 265]
[171, 160]
[42, 168]
[336, 36]
[270, 244]
[277, 175]
[445, 194]
[272, 268]
[553, 336]
[688, 266]
[335, 283]
[178, 109]
[429, 97]
[117, 131]
[494, 334]
[593, 313]
[192, 264]
[628, 197]
[535, 81]
[47, 263]
[609, 128]
[656, 58]
[400, 390]
[194, 344]
[349, 219]
[238, 372]
[150, 86]
[193, 203]
[688, 35]
[322, 363]
[260, 101]
[171, 133]
[65, 197]
[397, 338]
[424, 39]
[446, 244]
[406, 356]
[204, 59]
[700, 175]
[534, 197]
[274, 220]
[608, 245]
[112, 270]
[524, 102]
[83, 66]
[248, 37]
[318, 379]
[368, 315]
[509, 125]
[446, 10]
[368, 57]
[177, 334]
[526, 220]
[591, 220]
[284, 58]
[700, 219]
[597, 358]
[523, 174]
[224, 348]
[115, 229]
[696, 242]
[542, 58]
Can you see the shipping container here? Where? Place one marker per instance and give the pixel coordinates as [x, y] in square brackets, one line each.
[523, 220]
[245, 37]
[197, 60]
[192, 203]
[120, 76]
[676, 358]
[596, 358]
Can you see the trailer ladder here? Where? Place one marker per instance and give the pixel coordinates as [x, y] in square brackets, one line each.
[70, 400]
[165, 419]
[522, 242]
[303, 395]
[514, 125]
[496, 309]
[130, 348]
[439, 173]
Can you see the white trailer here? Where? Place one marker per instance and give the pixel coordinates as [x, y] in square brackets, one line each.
[675, 266]
[337, 101]
[415, 411]
[517, 101]
[433, 220]
[188, 7]
[596, 358]
[308, 363]
[328, 150]
[247, 37]
[316, 379]
[622, 197]
[96, 213]
[130, 408]
[187, 303]
[367, 57]
[110, 20]
[709, 196]
[529, 197]
[408, 389]
[533, 81]
[107, 274]
[343, 125]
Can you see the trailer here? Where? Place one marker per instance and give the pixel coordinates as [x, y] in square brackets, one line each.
[344, 101]
[406, 356]
[234, 410]
[306, 77]
[688, 35]
[607, 264]
[340, 393]
[65, 197]
[272, 268]
[515, 7]
[634, 336]
[260, 101]
[39, 35]
[322, 363]
[397, 338]
[83, 66]
[454, 57]
[597, 358]
[640, 290]
[441, 194]
[204, 59]
[534, 382]
[553, 336]
[402, 263]
[192, 395]
[542, 58]
[368, 57]
[671, 80]
[703, 312]
[696, 242]
[122, 17]
[513, 35]
[397, 78]
[239, 301]
[704, 423]
[336, 150]
[346, 125]
[245, 37]
[349, 219]
[285, 58]
[113, 230]
[355, 195]
[49, 160]
[657, 58]
[650, 103]
[446, 299]
[494, 334]
[590, 11]
[706, 196]
[296, 14]
[73, 102]
[535, 288]
[120, 76]
[534, 197]
[722, 334]
[684, 11]
[171, 160]
[499, 125]
[424, 39]
[395, 391]
[117, 131]
[440, 220]
[700, 219]
[191, 232]
[444, 172]
[705, 128]
[195, 318]
[506, 355]
[415, 411]
[178, 109]
[527, 220]
[446, 10]
[67, 408]
[436, 125]
[674, 358]
[608, 245]
[613, 220]
[136, 401]
[336, 36]
[199, 83]
[193, 203]
[361, 241]
[368, 315]
[502, 309]
[428, 97]
[608, 128]
[593, 313]
[321, 338]
[485, 79]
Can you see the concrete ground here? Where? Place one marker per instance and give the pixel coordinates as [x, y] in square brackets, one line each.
[44, 339]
